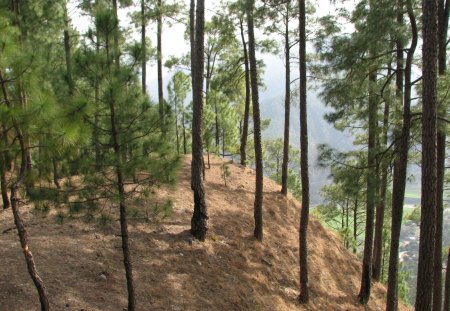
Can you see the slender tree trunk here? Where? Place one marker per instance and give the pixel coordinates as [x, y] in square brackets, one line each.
[184, 133]
[429, 121]
[244, 136]
[381, 206]
[123, 211]
[199, 221]
[364, 293]
[162, 112]
[400, 169]
[55, 173]
[355, 226]
[96, 131]
[18, 221]
[3, 181]
[5, 198]
[68, 53]
[447, 284]
[258, 232]
[176, 127]
[347, 231]
[116, 35]
[287, 106]
[119, 175]
[144, 48]
[304, 217]
[443, 15]
[223, 143]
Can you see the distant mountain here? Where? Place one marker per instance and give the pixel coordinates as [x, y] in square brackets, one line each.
[320, 132]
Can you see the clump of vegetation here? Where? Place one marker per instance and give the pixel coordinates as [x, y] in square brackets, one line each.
[105, 219]
[225, 172]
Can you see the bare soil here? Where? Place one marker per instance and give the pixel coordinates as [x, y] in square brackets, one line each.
[81, 263]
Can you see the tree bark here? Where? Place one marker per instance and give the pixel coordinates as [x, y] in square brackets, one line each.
[4, 187]
[68, 53]
[429, 121]
[116, 35]
[199, 221]
[304, 217]
[144, 48]
[162, 112]
[119, 178]
[400, 169]
[287, 106]
[364, 293]
[381, 206]
[443, 15]
[244, 136]
[258, 231]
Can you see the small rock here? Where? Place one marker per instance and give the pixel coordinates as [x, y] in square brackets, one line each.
[266, 261]
[181, 254]
[199, 263]
[103, 276]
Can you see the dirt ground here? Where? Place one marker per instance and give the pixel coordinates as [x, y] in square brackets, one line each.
[81, 263]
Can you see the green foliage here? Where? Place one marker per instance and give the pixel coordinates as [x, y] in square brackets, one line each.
[273, 159]
[225, 172]
[105, 219]
[414, 216]
[42, 207]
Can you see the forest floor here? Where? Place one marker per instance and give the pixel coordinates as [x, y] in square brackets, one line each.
[81, 263]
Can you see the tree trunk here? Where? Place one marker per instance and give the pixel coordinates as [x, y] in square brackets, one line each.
[3, 181]
[96, 131]
[176, 126]
[287, 106]
[244, 136]
[258, 232]
[364, 293]
[162, 109]
[123, 211]
[68, 54]
[429, 121]
[184, 133]
[116, 35]
[443, 15]
[144, 48]
[5, 198]
[119, 181]
[304, 217]
[355, 226]
[400, 169]
[199, 221]
[381, 206]
[55, 173]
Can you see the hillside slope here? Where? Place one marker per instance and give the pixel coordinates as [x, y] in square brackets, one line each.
[81, 263]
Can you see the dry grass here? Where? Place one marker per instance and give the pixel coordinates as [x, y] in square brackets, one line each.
[230, 271]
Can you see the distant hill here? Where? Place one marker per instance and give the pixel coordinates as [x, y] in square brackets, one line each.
[81, 262]
[320, 132]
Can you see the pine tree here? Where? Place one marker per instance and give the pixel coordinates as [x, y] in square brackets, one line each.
[400, 167]
[199, 221]
[258, 205]
[304, 168]
[429, 117]
[443, 16]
